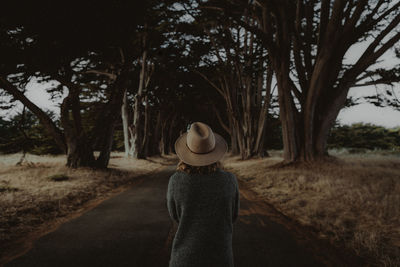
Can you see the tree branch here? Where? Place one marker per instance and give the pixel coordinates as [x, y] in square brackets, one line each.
[369, 21]
[212, 8]
[368, 24]
[266, 33]
[324, 19]
[334, 24]
[297, 42]
[112, 76]
[50, 126]
[369, 56]
[73, 102]
[210, 82]
[296, 91]
[371, 83]
[351, 23]
[307, 48]
[226, 128]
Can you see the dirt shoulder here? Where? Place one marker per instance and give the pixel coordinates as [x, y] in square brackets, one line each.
[351, 202]
[326, 253]
[41, 194]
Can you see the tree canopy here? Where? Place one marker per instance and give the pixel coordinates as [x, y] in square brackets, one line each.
[307, 43]
[150, 68]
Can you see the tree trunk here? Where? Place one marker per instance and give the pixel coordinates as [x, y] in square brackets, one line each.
[105, 152]
[107, 120]
[125, 123]
[240, 139]
[289, 120]
[295, 128]
[138, 122]
[136, 149]
[108, 117]
[261, 150]
[146, 130]
[163, 138]
[155, 144]
[234, 140]
[161, 143]
[328, 111]
[80, 152]
[171, 140]
[137, 129]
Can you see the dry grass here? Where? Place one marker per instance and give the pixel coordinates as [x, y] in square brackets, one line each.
[43, 189]
[354, 201]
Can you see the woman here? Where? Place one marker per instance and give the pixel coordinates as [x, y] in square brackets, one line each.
[203, 200]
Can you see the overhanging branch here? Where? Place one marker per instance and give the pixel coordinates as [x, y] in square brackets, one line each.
[47, 122]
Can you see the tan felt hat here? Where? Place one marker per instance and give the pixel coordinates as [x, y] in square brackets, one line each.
[200, 146]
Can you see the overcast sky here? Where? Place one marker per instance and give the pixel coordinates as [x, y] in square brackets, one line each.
[365, 113]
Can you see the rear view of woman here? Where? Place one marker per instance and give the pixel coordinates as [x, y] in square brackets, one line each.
[203, 200]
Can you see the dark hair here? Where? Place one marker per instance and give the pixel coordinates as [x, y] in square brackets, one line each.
[184, 167]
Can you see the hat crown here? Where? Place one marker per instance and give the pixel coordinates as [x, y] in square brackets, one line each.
[200, 138]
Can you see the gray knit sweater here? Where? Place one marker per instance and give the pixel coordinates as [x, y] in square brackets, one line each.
[204, 206]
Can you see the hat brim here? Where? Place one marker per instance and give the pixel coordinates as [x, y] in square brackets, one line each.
[194, 159]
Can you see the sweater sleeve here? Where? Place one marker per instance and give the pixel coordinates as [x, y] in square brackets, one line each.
[171, 201]
[236, 204]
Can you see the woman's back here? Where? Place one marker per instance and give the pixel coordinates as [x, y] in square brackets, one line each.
[205, 206]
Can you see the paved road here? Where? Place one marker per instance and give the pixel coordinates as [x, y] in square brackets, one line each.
[134, 229]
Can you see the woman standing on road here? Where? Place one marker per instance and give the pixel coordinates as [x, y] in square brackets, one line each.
[203, 200]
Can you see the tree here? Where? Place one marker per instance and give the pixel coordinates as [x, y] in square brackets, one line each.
[98, 65]
[234, 62]
[141, 112]
[23, 132]
[307, 42]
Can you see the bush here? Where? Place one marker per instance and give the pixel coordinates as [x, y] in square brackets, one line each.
[364, 136]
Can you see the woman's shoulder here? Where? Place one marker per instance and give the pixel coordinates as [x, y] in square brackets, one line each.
[226, 173]
[230, 176]
[177, 175]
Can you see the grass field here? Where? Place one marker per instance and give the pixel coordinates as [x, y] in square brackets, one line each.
[353, 201]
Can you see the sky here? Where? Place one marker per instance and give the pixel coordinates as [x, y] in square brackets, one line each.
[368, 113]
[362, 113]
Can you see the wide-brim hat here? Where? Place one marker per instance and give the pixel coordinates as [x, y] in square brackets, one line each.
[200, 146]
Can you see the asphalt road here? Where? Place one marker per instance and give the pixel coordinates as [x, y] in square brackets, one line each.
[134, 229]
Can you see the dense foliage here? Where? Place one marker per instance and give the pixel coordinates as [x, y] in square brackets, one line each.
[366, 136]
[264, 74]
[24, 133]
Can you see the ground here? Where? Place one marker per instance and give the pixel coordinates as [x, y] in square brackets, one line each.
[133, 228]
[32, 195]
[277, 205]
[353, 200]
